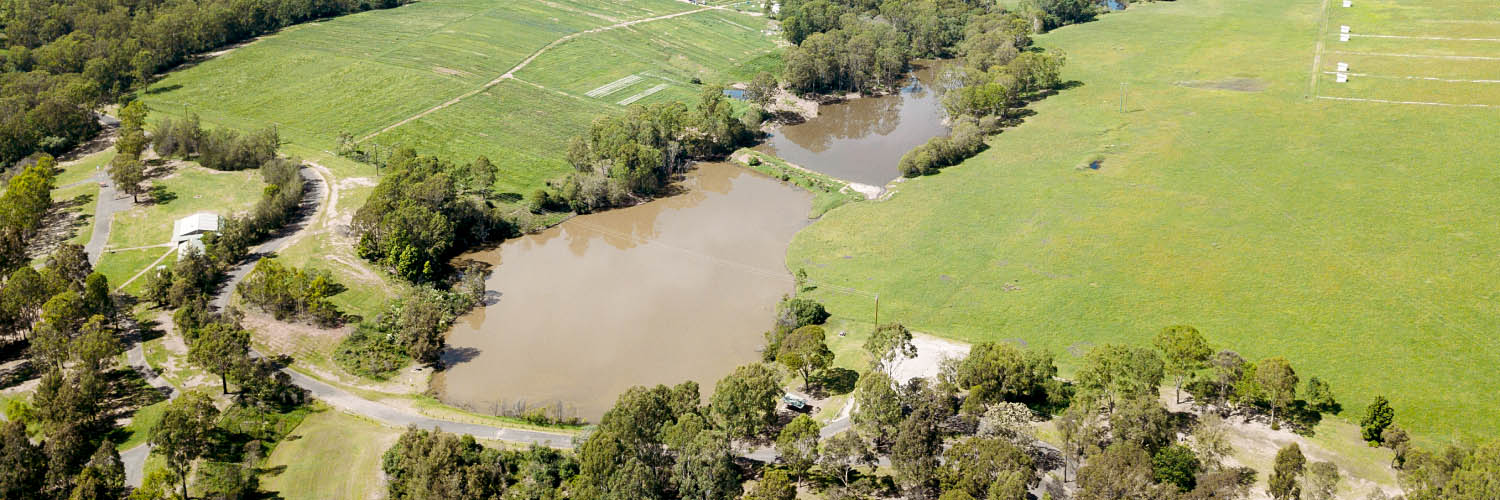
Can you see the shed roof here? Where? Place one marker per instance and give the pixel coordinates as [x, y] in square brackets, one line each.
[195, 224]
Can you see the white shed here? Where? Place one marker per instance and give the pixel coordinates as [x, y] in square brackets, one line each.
[188, 231]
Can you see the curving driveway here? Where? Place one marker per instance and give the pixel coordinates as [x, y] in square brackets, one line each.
[110, 201]
[135, 458]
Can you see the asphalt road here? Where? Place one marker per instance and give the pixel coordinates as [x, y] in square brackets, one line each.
[109, 202]
[135, 458]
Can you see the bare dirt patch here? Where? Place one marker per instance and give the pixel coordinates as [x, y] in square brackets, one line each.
[175, 366]
[101, 142]
[789, 108]
[931, 351]
[1232, 84]
[1255, 445]
[231, 48]
[361, 272]
[353, 182]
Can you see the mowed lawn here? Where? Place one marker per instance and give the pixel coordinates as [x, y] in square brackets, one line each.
[331, 455]
[363, 73]
[143, 233]
[1358, 239]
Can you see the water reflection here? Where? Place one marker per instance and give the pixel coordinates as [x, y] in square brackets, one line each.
[676, 289]
[862, 140]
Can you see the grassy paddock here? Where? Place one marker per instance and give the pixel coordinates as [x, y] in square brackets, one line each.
[349, 448]
[1352, 238]
[192, 189]
[425, 54]
[121, 266]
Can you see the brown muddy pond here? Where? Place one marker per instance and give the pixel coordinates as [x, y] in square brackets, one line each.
[677, 289]
[862, 140]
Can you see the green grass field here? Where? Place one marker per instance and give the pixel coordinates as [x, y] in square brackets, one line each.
[138, 233]
[365, 72]
[1354, 238]
[84, 167]
[120, 266]
[347, 450]
[139, 429]
[192, 189]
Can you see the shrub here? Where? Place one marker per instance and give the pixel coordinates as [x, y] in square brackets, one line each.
[965, 141]
[367, 352]
[411, 326]
[224, 149]
[291, 293]
[798, 312]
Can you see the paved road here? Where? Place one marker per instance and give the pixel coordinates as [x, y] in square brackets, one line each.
[135, 458]
[314, 200]
[343, 400]
[110, 201]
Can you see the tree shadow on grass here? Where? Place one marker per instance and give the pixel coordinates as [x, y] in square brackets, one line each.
[160, 195]
[838, 381]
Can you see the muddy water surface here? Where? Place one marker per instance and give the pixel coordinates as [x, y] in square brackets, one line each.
[676, 289]
[862, 139]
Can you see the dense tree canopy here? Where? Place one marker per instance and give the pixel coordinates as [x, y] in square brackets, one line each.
[1116, 372]
[66, 58]
[433, 465]
[420, 215]
[288, 292]
[632, 156]
[744, 402]
[994, 372]
[806, 352]
[1184, 351]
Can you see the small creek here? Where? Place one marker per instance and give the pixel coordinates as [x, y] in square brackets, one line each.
[862, 140]
[676, 289]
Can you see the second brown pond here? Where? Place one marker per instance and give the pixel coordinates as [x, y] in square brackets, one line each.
[676, 289]
[862, 140]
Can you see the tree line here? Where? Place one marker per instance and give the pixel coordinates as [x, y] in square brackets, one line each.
[866, 47]
[218, 149]
[426, 210]
[27, 199]
[58, 443]
[623, 159]
[967, 433]
[438, 465]
[64, 59]
[999, 72]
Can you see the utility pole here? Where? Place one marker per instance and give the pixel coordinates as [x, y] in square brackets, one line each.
[877, 310]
